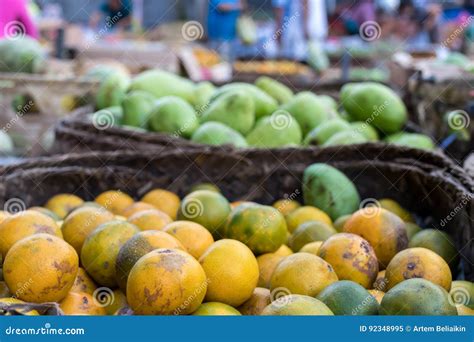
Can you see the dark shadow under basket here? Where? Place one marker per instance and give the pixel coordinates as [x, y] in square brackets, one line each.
[439, 193]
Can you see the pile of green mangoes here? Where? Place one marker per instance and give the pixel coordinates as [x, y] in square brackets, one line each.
[266, 114]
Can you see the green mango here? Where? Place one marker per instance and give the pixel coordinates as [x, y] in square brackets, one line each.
[417, 297]
[278, 130]
[369, 132]
[203, 92]
[162, 83]
[308, 109]
[346, 297]
[264, 103]
[329, 103]
[234, 108]
[414, 140]
[112, 90]
[328, 189]
[137, 106]
[173, 115]
[375, 104]
[107, 117]
[24, 55]
[216, 133]
[275, 89]
[326, 130]
[347, 137]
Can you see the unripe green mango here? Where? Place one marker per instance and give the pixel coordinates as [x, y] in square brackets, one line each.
[308, 109]
[414, 140]
[326, 130]
[137, 106]
[162, 83]
[264, 103]
[275, 89]
[278, 130]
[234, 108]
[216, 133]
[328, 189]
[376, 104]
[112, 90]
[173, 115]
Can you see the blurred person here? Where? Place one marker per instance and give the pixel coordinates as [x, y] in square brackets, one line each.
[222, 25]
[117, 13]
[15, 19]
[291, 29]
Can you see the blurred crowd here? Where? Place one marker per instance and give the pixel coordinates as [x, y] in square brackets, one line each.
[291, 23]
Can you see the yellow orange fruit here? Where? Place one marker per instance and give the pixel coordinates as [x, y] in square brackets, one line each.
[153, 219]
[195, 238]
[41, 268]
[164, 200]
[114, 201]
[63, 204]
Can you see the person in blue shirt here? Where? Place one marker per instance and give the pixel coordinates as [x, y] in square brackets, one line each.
[117, 13]
[222, 24]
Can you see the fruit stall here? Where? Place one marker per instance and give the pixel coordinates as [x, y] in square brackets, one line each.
[154, 175]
